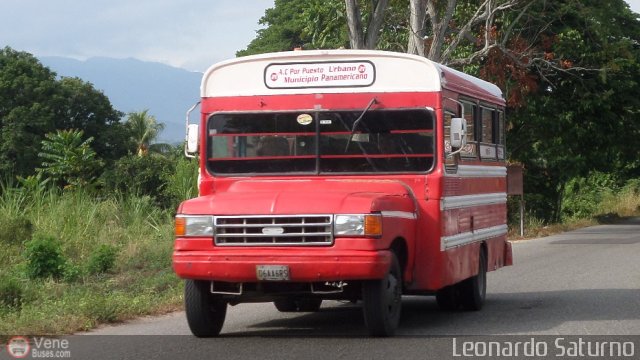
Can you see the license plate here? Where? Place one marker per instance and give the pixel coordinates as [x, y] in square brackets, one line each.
[272, 272]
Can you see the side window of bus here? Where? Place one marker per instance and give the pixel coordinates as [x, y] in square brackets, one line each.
[501, 135]
[449, 161]
[488, 121]
[487, 125]
[471, 150]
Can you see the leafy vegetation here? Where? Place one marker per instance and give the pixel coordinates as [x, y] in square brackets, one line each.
[33, 103]
[88, 261]
[87, 204]
[598, 198]
[44, 258]
[67, 160]
[102, 259]
[144, 129]
[568, 70]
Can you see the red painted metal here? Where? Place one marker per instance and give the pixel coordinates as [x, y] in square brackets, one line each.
[311, 102]
[412, 204]
[307, 265]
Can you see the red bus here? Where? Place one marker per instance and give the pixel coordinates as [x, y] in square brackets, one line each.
[342, 175]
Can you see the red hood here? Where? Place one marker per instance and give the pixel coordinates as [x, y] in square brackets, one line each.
[261, 197]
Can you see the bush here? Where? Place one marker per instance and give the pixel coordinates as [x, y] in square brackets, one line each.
[15, 230]
[582, 196]
[103, 308]
[72, 273]
[140, 175]
[11, 291]
[102, 259]
[44, 258]
[625, 202]
[182, 184]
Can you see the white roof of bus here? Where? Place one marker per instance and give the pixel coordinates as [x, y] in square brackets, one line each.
[390, 72]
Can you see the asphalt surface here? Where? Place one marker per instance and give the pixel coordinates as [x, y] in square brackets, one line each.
[583, 284]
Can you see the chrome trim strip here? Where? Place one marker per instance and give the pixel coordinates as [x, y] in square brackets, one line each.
[448, 242]
[214, 291]
[479, 171]
[400, 214]
[465, 201]
[260, 235]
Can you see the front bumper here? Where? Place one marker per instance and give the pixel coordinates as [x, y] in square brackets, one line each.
[305, 264]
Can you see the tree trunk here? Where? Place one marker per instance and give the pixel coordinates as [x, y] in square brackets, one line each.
[356, 35]
[375, 24]
[418, 15]
[439, 25]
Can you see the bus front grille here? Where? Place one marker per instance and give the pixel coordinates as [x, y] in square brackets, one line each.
[274, 230]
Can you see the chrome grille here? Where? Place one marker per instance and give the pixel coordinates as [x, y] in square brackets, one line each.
[274, 230]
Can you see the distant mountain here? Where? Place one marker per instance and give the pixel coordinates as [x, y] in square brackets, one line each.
[134, 85]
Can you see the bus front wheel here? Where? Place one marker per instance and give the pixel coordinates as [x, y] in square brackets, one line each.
[205, 312]
[382, 301]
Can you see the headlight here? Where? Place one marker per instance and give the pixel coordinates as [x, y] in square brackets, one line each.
[194, 225]
[358, 225]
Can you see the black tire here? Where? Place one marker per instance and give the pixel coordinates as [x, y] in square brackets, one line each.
[382, 301]
[205, 312]
[468, 294]
[473, 291]
[448, 299]
[298, 304]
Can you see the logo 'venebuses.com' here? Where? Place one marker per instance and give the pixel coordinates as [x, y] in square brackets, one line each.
[18, 347]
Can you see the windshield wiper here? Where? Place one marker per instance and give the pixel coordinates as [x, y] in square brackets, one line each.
[355, 123]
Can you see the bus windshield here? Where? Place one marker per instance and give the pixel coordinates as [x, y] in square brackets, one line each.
[321, 142]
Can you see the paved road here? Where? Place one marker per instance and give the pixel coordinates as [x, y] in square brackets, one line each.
[584, 282]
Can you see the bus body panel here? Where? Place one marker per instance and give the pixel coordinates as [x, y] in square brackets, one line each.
[440, 218]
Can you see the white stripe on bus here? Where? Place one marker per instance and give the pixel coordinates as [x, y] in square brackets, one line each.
[448, 242]
[479, 171]
[465, 201]
[400, 214]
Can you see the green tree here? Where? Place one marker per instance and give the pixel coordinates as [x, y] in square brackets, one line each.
[283, 31]
[310, 24]
[33, 103]
[81, 106]
[67, 159]
[26, 110]
[141, 175]
[322, 24]
[143, 129]
[584, 116]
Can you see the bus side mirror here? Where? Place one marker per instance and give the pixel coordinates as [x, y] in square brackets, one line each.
[192, 139]
[458, 132]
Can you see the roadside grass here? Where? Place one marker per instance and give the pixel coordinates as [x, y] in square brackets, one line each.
[535, 228]
[614, 206]
[111, 261]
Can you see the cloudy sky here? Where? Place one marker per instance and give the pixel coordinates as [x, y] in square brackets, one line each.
[191, 34]
[186, 33]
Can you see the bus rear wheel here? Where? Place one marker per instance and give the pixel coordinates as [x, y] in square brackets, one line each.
[473, 291]
[382, 301]
[468, 294]
[205, 311]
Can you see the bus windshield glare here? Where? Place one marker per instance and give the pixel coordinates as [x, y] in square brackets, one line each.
[317, 142]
